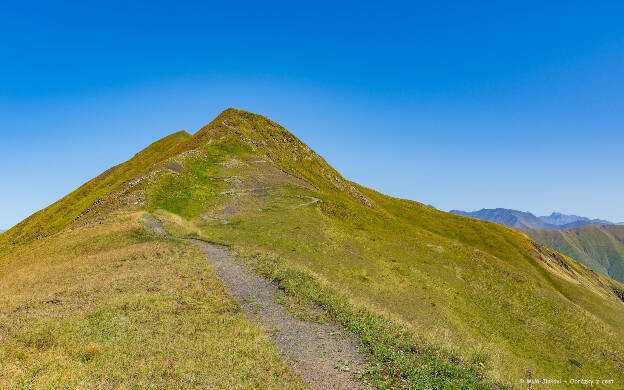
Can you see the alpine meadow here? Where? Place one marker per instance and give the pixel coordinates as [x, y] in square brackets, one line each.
[110, 287]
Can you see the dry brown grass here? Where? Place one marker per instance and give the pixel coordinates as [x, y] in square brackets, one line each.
[109, 306]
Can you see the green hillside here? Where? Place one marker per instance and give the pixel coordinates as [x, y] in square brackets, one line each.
[95, 195]
[601, 248]
[440, 300]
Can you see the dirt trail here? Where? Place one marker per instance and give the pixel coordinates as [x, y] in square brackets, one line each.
[325, 356]
[312, 201]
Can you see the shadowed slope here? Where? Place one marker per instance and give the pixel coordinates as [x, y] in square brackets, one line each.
[601, 248]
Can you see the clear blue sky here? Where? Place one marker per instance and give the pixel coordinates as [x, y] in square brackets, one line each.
[458, 104]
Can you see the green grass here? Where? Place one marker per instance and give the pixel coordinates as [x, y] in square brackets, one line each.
[182, 194]
[471, 288]
[95, 195]
[403, 359]
[478, 302]
[601, 248]
[111, 306]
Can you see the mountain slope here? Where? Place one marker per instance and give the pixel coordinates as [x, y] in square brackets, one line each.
[96, 194]
[110, 305]
[601, 248]
[419, 281]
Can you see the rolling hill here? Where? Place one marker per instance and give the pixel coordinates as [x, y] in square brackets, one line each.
[95, 296]
[601, 248]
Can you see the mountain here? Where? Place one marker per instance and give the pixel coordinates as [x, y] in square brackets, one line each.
[560, 219]
[601, 248]
[521, 219]
[108, 286]
[506, 217]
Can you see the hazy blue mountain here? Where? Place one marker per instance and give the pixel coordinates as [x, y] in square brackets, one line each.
[507, 217]
[560, 219]
[525, 219]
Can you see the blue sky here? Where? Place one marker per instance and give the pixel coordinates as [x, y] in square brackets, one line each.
[458, 104]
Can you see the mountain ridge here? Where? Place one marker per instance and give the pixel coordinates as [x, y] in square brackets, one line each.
[506, 217]
[559, 219]
[500, 302]
[91, 196]
[525, 219]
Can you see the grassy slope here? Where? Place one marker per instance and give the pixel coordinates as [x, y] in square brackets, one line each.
[601, 248]
[472, 286]
[484, 293]
[92, 195]
[108, 305]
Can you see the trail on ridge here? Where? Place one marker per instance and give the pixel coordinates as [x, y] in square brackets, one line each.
[325, 356]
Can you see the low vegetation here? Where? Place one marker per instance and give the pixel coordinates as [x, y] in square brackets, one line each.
[404, 360]
[601, 248]
[112, 306]
[440, 301]
[92, 197]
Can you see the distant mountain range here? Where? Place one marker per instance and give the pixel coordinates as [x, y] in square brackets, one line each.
[524, 219]
[560, 219]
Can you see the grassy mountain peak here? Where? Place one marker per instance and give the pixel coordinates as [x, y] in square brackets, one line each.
[440, 300]
[263, 137]
[233, 131]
